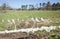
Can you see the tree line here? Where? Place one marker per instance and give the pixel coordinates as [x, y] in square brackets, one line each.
[42, 6]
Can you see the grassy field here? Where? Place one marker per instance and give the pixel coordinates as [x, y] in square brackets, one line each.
[29, 14]
[10, 14]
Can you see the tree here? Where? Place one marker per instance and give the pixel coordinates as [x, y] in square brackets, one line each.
[48, 6]
[53, 6]
[24, 7]
[40, 5]
[56, 6]
[31, 7]
[4, 6]
[44, 5]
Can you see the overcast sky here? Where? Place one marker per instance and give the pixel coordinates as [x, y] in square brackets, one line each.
[18, 3]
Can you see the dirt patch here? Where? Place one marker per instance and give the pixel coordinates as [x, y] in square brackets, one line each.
[17, 35]
[13, 35]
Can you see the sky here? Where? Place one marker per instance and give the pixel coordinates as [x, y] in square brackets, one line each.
[18, 3]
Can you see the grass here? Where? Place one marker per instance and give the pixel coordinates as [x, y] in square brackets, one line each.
[53, 34]
[29, 14]
[11, 14]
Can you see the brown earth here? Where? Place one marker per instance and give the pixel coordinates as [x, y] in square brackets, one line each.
[17, 35]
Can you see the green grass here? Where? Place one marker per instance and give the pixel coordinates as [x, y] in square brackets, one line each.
[11, 14]
[29, 14]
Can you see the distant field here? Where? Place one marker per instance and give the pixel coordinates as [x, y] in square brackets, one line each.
[27, 14]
